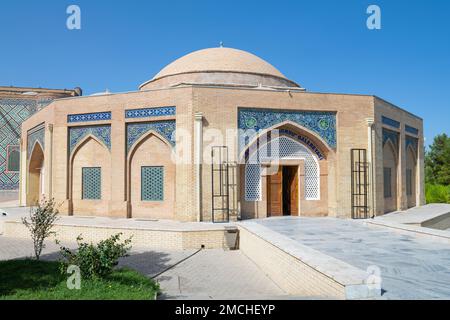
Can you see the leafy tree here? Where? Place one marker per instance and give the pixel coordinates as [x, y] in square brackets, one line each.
[437, 161]
[41, 223]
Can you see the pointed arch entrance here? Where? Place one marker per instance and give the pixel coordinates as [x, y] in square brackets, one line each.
[36, 174]
[287, 172]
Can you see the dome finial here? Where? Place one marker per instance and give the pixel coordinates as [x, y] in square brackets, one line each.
[221, 44]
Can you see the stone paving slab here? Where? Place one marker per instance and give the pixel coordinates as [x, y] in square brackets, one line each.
[411, 267]
[338, 270]
[416, 215]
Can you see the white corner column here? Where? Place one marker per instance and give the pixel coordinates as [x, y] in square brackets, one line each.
[198, 158]
[370, 154]
[48, 161]
[23, 174]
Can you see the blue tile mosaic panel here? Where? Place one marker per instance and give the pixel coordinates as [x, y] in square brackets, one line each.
[77, 134]
[411, 130]
[86, 117]
[390, 135]
[35, 135]
[413, 142]
[150, 112]
[251, 121]
[152, 183]
[390, 122]
[91, 183]
[12, 113]
[43, 102]
[137, 130]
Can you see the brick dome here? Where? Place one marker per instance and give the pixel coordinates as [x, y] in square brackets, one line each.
[219, 66]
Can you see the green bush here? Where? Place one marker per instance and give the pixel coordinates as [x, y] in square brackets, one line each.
[436, 193]
[96, 261]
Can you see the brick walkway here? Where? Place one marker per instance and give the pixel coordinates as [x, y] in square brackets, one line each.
[209, 274]
[217, 274]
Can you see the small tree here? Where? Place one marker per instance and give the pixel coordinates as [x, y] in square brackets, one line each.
[42, 219]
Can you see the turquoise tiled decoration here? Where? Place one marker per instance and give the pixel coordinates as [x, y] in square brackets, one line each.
[411, 141]
[92, 183]
[77, 134]
[12, 113]
[411, 130]
[390, 135]
[304, 140]
[136, 130]
[152, 183]
[390, 122]
[35, 135]
[150, 112]
[251, 121]
[86, 117]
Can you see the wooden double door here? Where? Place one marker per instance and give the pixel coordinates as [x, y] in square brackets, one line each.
[283, 192]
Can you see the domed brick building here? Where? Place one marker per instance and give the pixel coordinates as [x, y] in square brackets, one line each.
[221, 134]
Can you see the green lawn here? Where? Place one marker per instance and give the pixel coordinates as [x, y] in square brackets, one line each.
[30, 280]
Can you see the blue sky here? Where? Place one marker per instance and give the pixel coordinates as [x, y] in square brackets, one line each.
[323, 45]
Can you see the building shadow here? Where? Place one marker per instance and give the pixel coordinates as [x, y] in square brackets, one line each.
[23, 274]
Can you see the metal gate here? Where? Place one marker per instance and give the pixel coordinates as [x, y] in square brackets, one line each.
[220, 184]
[360, 184]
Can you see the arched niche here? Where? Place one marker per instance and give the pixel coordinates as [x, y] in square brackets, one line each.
[411, 177]
[36, 173]
[87, 154]
[390, 176]
[151, 178]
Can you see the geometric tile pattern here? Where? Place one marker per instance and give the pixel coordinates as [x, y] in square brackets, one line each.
[101, 132]
[390, 122]
[390, 135]
[252, 182]
[35, 135]
[12, 113]
[136, 130]
[150, 112]
[282, 147]
[92, 183]
[253, 120]
[152, 183]
[304, 140]
[411, 130]
[413, 142]
[97, 116]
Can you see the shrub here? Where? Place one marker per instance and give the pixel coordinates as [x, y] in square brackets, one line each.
[96, 261]
[436, 193]
[42, 219]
